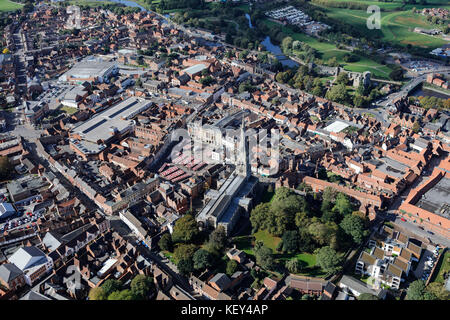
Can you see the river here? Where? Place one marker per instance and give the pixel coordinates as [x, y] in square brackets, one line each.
[424, 92]
[275, 50]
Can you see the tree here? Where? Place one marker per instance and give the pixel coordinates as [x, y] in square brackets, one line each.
[324, 233]
[438, 289]
[139, 83]
[343, 205]
[418, 291]
[111, 285]
[342, 78]
[122, 295]
[338, 93]
[290, 241]
[367, 296]
[97, 294]
[231, 267]
[202, 259]
[5, 168]
[185, 229]
[354, 226]
[293, 265]
[286, 44]
[218, 239]
[396, 74]
[264, 257]
[141, 286]
[165, 243]
[184, 252]
[185, 266]
[358, 101]
[329, 260]
[416, 127]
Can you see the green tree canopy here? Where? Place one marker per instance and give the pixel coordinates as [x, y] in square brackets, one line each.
[353, 225]
[6, 168]
[202, 259]
[264, 256]
[293, 265]
[185, 266]
[418, 291]
[291, 241]
[141, 286]
[111, 285]
[126, 294]
[165, 243]
[185, 229]
[184, 252]
[329, 260]
[97, 294]
[231, 267]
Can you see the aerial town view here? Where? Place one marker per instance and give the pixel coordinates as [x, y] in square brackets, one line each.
[254, 150]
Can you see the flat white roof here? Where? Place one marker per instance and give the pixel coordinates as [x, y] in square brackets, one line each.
[108, 264]
[336, 126]
[102, 126]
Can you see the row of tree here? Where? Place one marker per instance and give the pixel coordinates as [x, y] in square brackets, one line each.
[141, 288]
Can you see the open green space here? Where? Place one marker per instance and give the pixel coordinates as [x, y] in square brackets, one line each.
[396, 27]
[329, 50]
[68, 110]
[6, 5]
[90, 3]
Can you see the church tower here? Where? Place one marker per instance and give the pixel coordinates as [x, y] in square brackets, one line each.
[243, 167]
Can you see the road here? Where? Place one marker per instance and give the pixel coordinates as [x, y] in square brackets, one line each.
[20, 61]
[169, 268]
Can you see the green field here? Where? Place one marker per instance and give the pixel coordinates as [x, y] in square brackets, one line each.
[90, 3]
[396, 27]
[329, 50]
[6, 5]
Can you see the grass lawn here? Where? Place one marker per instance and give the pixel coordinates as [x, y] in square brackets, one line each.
[396, 27]
[268, 240]
[6, 5]
[169, 255]
[246, 243]
[68, 110]
[444, 266]
[90, 3]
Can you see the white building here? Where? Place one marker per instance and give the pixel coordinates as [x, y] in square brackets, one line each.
[33, 263]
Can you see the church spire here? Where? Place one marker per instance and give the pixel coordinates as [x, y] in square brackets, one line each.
[243, 167]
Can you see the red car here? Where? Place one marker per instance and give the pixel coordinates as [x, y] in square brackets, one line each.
[403, 219]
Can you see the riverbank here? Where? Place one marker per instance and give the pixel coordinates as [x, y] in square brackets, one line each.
[436, 89]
